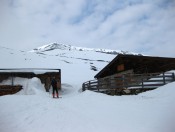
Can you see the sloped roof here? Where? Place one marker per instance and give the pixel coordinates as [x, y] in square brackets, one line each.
[140, 64]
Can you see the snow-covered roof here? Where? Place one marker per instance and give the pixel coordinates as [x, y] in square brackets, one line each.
[27, 70]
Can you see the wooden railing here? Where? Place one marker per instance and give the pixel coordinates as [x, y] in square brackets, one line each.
[129, 81]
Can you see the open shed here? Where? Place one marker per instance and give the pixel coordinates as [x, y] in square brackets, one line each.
[43, 74]
[137, 65]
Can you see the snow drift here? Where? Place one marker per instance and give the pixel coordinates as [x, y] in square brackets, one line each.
[151, 111]
[30, 86]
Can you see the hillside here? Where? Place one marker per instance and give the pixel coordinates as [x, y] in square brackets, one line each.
[77, 64]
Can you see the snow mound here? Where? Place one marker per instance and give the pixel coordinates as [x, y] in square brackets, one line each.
[30, 86]
[165, 91]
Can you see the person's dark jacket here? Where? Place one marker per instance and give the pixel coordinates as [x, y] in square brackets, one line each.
[54, 83]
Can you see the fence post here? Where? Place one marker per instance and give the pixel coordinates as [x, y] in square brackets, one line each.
[89, 86]
[83, 87]
[164, 78]
[142, 81]
[12, 80]
[173, 76]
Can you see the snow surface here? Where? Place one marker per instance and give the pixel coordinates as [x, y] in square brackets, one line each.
[86, 112]
[34, 110]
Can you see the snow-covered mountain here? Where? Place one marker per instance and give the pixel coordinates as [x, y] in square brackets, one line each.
[77, 64]
[70, 47]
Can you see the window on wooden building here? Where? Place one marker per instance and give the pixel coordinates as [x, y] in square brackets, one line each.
[120, 67]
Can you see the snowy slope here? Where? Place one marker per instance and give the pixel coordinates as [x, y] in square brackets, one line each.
[152, 111]
[77, 64]
[34, 110]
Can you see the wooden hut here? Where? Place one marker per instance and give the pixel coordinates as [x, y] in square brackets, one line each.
[132, 72]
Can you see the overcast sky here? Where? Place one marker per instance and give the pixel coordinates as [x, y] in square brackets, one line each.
[142, 26]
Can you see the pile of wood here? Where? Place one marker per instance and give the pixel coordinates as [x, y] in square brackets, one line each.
[9, 89]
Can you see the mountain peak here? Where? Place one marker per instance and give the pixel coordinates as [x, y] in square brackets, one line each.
[52, 46]
[55, 46]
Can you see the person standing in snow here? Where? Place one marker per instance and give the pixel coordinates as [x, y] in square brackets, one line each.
[54, 86]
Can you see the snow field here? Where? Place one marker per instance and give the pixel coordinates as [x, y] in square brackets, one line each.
[88, 111]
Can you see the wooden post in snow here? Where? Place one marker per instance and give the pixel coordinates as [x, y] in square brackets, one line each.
[163, 78]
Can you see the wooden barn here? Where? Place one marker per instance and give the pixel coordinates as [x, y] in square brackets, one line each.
[44, 75]
[137, 73]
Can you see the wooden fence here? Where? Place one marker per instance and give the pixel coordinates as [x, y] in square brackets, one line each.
[129, 83]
